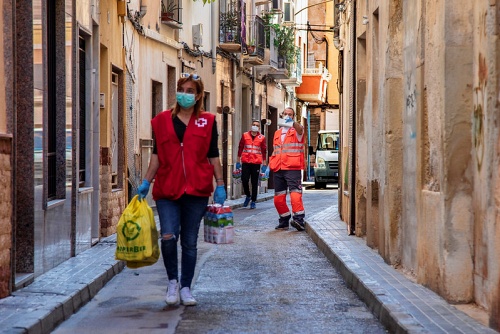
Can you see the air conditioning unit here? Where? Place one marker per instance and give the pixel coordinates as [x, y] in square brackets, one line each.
[288, 12]
[198, 35]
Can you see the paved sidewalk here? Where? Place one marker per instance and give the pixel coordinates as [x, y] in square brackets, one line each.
[401, 305]
[56, 295]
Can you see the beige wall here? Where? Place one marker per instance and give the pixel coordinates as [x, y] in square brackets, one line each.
[485, 143]
[427, 143]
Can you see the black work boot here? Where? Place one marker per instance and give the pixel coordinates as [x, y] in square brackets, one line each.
[299, 224]
[284, 223]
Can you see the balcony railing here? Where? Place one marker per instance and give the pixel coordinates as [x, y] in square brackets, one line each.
[254, 49]
[230, 30]
[230, 26]
[295, 73]
[256, 38]
[317, 68]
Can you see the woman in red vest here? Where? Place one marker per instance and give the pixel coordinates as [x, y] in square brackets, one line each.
[184, 162]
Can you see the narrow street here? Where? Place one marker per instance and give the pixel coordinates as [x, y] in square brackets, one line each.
[268, 281]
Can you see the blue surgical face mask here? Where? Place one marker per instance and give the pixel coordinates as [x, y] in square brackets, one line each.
[185, 100]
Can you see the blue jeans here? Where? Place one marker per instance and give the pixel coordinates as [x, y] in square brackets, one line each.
[181, 217]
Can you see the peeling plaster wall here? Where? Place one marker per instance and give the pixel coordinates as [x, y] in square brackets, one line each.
[485, 155]
[390, 133]
[428, 142]
[456, 136]
[431, 83]
[412, 86]
[379, 126]
[427, 138]
[372, 115]
[436, 139]
[361, 143]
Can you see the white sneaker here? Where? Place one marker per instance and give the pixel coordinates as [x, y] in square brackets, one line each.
[186, 297]
[172, 297]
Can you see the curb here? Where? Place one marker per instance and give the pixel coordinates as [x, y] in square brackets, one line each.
[383, 311]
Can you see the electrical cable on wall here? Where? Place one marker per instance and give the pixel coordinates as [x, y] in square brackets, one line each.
[197, 52]
[135, 20]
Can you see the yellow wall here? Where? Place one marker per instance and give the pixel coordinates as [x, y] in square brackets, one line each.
[111, 55]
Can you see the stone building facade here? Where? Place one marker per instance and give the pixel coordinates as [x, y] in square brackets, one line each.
[420, 141]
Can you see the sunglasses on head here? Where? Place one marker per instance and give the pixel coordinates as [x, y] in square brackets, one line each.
[192, 75]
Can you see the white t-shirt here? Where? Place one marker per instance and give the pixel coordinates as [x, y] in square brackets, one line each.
[284, 131]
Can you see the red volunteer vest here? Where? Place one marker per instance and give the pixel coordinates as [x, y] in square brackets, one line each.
[184, 168]
[252, 153]
[288, 155]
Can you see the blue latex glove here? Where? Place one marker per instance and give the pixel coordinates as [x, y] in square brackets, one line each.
[238, 165]
[263, 169]
[220, 195]
[288, 119]
[266, 173]
[143, 189]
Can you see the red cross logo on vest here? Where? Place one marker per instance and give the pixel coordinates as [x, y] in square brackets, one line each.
[201, 122]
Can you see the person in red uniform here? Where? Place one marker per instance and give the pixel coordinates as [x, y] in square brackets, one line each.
[287, 163]
[184, 162]
[252, 152]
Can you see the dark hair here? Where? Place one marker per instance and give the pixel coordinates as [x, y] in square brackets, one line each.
[291, 110]
[199, 90]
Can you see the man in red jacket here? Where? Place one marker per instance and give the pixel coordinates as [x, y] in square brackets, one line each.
[252, 152]
[287, 163]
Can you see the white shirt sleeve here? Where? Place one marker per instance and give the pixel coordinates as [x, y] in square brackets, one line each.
[299, 137]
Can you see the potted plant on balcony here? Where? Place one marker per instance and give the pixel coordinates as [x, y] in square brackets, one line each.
[251, 47]
[168, 12]
[229, 22]
[285, 43]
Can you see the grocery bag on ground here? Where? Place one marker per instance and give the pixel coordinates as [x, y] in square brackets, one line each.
[137, 235]
[218, 224]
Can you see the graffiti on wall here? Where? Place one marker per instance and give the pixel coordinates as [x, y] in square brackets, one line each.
[479, 112]
[411, 106]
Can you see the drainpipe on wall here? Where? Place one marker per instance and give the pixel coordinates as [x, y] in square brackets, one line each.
[309, 141]
[352, 107]
[215, 34]
[252, 97]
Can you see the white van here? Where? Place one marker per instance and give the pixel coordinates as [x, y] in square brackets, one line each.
[326, 165]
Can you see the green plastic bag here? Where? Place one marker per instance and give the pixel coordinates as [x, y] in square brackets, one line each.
[137, 236]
